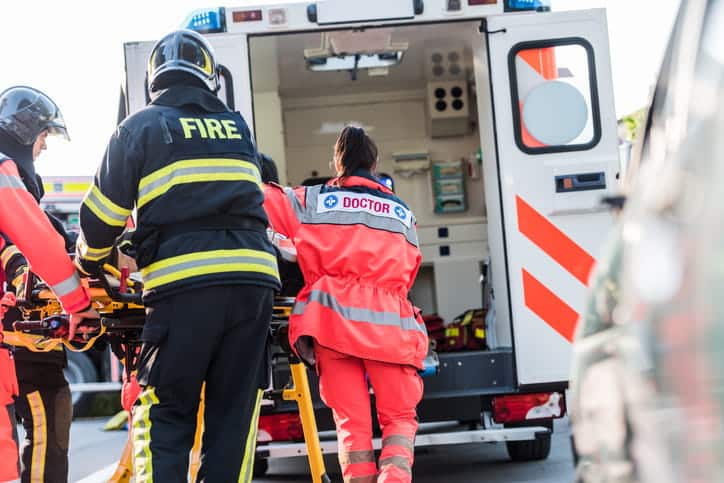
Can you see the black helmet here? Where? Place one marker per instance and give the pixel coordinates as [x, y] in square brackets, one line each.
[182, 52]
[26, 112]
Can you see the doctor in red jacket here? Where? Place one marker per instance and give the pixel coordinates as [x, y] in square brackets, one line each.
[357, 248]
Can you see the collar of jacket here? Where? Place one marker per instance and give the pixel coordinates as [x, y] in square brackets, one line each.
[183, 95]
[360, 178]
[23, 157]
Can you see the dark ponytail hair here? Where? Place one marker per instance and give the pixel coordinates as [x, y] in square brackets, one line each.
[355, 150]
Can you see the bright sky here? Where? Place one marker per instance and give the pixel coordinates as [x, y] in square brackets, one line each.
[72, 51]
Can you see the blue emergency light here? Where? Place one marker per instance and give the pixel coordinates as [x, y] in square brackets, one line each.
[517, 5]
[206, 20]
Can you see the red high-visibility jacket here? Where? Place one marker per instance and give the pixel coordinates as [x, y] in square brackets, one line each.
[357, 248]
[23, 222]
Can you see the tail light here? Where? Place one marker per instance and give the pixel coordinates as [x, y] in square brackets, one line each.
[280, 427]
[526, 407]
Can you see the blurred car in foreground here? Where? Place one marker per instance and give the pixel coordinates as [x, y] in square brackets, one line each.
[647, 388]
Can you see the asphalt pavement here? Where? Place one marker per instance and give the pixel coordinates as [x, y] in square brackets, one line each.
[94, 452]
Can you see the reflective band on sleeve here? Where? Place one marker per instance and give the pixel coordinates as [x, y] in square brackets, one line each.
[398, 461]
[108, 212]
[195, 171]
[296, 205]
[93, 254]
[67, 286]
[204, 263]
[11, 181]
[7, 254]
[356, 314]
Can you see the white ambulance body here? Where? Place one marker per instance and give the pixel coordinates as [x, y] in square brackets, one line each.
[498, 129]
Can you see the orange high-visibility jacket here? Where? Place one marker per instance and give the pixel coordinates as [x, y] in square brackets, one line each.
[23, 222]
[357, 248]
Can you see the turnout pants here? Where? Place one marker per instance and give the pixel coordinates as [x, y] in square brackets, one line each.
[398, 389]
[214, 334]
[46, 410]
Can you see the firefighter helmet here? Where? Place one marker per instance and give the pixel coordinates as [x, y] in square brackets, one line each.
[179, 53]
[26, 112]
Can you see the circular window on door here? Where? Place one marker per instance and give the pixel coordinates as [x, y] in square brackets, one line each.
[554, 96]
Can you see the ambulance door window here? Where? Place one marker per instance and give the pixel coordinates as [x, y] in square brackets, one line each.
[554, 96]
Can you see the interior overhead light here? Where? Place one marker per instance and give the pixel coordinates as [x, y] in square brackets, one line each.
[354, 50]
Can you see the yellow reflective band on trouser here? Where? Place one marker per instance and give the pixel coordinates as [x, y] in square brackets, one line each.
[143, 459]
[9, 252]
[40, 436]
[247, 464]
[106, 210]
[93, 254]
[205, 263]
[195, 171]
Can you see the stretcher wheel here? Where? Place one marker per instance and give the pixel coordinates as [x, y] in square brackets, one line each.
[261, 466]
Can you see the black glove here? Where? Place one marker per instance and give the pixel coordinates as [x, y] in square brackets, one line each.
[88, 268]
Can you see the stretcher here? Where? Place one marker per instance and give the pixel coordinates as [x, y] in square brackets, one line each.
[116, 296]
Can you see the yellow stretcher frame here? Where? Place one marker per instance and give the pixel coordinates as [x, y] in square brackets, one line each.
[298, 392]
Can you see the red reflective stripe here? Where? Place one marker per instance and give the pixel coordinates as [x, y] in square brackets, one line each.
[577, 261]
[546, 305]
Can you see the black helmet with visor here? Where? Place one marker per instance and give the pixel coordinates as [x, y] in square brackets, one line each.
[26, 112]
[182, 52]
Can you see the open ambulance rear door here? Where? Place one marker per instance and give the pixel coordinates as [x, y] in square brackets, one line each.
[231, 54]
[555, 139]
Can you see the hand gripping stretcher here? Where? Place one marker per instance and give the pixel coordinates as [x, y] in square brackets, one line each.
[117, 298]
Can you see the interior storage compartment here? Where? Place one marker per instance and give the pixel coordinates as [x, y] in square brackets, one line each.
[413, 89]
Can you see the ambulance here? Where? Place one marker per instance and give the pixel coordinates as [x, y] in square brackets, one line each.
[495, 120]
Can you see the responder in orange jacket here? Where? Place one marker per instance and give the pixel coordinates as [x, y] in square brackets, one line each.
[27, 117]
[357, 247]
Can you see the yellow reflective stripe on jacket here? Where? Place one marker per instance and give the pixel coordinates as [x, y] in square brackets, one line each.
[9, 252]
[106, 210]
[195, 171]
[93, 254]
[204, 263]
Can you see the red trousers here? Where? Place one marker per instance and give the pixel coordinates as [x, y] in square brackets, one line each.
[397, 388]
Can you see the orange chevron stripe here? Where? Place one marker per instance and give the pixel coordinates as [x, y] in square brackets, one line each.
[546, 305]
[549, 238]
[542, 60]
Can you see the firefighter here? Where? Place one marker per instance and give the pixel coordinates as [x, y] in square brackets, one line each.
[189, 167]
[358, 250]
[27, 117]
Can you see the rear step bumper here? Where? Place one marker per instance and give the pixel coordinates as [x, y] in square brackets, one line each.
[288, 450]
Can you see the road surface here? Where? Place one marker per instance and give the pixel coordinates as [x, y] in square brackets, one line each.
[93, 453]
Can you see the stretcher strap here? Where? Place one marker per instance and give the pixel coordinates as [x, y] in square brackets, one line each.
[33, 344]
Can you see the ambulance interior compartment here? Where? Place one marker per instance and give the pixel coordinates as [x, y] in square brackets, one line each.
[298, 113]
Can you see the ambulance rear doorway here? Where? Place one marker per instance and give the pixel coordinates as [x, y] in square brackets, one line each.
[414, 90]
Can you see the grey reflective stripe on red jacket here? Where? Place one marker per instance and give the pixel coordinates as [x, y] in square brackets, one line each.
[341, 207]
[357, 314]
[67, 286]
